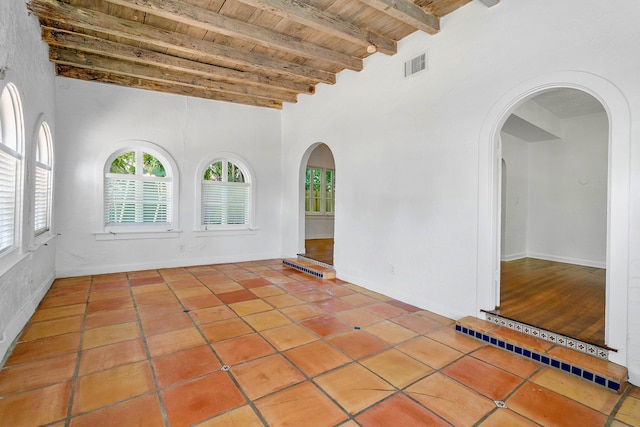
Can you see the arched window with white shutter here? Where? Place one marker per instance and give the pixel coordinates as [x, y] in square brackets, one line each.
[11, 154]
[225, 195]
[139, 190]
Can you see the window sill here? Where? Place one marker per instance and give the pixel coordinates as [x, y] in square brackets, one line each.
[41, 240]
[10, 259]
[135, 235]
[225, 232]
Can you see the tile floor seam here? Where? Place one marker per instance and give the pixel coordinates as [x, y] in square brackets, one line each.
[612, 416]
[74, 378]
[143, 337]
[229, 373]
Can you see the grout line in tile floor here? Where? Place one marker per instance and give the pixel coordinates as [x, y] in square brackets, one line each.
[77, 367]
[366, 388]
[143, 337]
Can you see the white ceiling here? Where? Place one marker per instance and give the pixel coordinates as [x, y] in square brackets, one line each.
[568, 103]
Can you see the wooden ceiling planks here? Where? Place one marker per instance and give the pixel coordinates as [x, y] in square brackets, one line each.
[254, 52]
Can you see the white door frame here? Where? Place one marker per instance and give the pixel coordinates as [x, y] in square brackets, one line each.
[489, 209]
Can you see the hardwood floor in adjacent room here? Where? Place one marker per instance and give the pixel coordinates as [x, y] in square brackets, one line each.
[563, 298]
[319, 249]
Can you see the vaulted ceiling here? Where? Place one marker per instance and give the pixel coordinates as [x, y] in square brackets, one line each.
[254, 52]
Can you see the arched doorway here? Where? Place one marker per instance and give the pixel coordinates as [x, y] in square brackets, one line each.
[617, 240]
[319, 204]
[554, 150]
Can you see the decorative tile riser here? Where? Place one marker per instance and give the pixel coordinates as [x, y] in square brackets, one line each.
[307, 269]
[572, 343]
[609, 383]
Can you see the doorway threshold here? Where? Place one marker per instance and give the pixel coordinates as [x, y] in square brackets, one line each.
[592, 349]
[312, 267]
[594, 368]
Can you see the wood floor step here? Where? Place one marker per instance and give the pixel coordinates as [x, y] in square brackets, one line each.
[309, 267]
[590, 368]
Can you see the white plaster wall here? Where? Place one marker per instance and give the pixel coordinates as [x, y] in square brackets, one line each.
[320, 226]
[515, 153]
[413, 235]
[27, 273]
[92, 118]
[568, 194]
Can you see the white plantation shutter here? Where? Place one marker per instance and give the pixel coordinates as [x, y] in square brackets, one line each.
[42, 200]
[137, 199]
[8, 168]
[224, 203]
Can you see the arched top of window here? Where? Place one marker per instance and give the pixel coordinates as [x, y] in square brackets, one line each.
[138, 162]
[43, 149]
[11, 119]
[224, 171]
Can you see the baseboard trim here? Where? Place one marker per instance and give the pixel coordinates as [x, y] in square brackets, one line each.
[21, 318]
[190, 262]
[568, 260]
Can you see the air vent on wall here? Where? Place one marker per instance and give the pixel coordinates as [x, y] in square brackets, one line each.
[415, 65]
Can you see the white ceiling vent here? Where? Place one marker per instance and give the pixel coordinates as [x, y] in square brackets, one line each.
[415, 65]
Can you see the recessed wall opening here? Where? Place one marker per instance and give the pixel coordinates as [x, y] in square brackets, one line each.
[553, 214]
[319, 204]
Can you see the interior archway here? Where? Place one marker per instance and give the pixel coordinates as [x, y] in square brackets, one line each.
[554, 150]
[318, 199]
[617, 240]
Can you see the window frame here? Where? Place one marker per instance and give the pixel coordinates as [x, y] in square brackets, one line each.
[13, 115]
[323, 192]
[139, 230]
[249, 180]
[43, 164]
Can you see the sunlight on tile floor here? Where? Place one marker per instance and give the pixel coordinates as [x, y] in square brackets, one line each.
[259, 344]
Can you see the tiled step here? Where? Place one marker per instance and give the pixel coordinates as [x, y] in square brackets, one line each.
[315, 269]
[593, 369]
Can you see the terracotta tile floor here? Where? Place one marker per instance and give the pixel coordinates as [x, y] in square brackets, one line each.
[259, 344]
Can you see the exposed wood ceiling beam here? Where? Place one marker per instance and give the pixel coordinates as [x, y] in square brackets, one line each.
[202, 18]
[407, 12]
[100, 63]
[111, 49]
[61, 13]
[299, 11]
[102, 77]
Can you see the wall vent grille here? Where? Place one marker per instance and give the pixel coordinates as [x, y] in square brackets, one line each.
[415, 65]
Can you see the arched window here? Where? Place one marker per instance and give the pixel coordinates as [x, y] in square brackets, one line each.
[44, 162]
[138, 190]
[225, 195]
[11, 136]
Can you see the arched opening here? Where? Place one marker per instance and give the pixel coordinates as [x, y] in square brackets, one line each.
[554, 150]
[617, 231]
[318, 184]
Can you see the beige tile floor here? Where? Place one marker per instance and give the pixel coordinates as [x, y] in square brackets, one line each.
[258, 344]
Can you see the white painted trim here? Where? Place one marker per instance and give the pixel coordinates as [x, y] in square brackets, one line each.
[619, 116]
[179, 261]
[513, 257]
[135, 235]
[568, 260]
